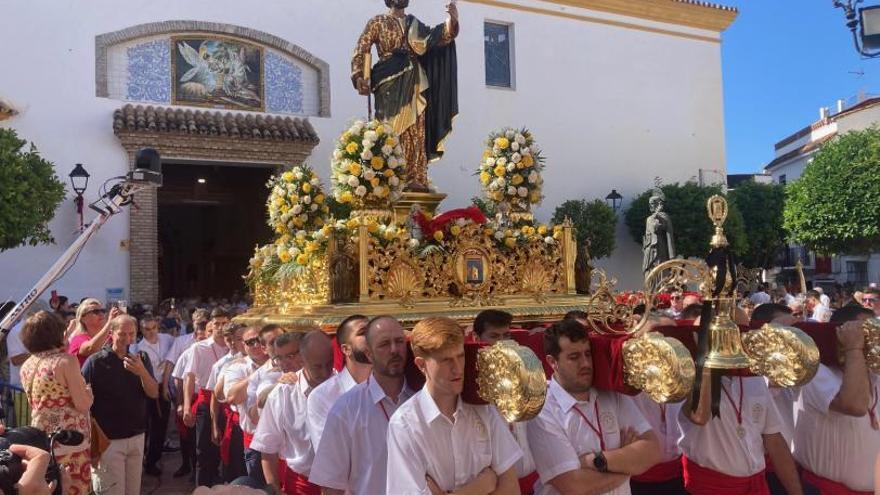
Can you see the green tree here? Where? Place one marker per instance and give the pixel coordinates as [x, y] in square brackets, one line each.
[834, 207]
[593, 220]
[761, 207]
[29, 193]
[686, 206]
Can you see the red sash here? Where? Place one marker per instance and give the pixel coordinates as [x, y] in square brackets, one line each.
[661, 472]
[248, 438]
[527, 483]
[182, 429]
[829, 487]
[231, 423]
[204, 397]
[699, 480]
[293, 483]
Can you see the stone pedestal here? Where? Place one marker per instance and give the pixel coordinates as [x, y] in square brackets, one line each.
[427, 200]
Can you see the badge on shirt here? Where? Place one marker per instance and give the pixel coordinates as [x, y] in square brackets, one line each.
[757, 413]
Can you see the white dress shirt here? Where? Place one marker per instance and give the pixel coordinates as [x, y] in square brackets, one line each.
[322, 400]
[353, 452]
[832, 445]
[561, 434]
[663, 419]
[182, 364]
[181, 343]
[233, 374]
[423, 442]
[205, 354]
[156, 352]
[282, 428]
[264, 372]
[717, 446]
[785, 399]
[526, 464]
[218, 367]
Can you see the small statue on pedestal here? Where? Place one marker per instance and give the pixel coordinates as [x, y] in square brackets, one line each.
[658, 244]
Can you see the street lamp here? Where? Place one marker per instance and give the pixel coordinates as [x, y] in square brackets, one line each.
[613, 200]
[864, 25]
[79, 180]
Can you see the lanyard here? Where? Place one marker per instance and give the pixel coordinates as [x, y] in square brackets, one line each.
[596, 430]
[739, 411]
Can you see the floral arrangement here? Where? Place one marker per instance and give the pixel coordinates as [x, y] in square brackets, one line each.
[510, 236]
[510, 170]
[296, 201]
[368, 166]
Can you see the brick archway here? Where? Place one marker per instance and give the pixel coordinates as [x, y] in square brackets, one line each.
[207, 136]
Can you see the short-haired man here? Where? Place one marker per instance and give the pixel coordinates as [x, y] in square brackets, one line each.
[196, 410]
[232, 465]
[353, 454]
[156, 346]
[352, 340]
[436, 442]
[773, 312]
[283, 430]
[837, 435]
[871, 300]
[492, 325]
[178, 374]
[123, 385]
[584, 437]
[268, 373]
[818, 310]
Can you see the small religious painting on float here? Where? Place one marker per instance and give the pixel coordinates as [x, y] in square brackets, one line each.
[217, 72]
[474, 270]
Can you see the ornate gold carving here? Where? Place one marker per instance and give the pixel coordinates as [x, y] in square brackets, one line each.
[872, 344]
[785, 355]
[604, 314]
[512, 378]
[305, 287]
[403, 283]
[535, 280]
[660, 366]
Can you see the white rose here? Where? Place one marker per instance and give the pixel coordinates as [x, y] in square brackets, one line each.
[297, 174]
[361, 191]
[367, 144]
[398, 150]
[516, 158]
[315, 181]
[490, 161]
[511, 191]
[293, 251]
[371, 135]
[366, 155]
[514, 146]
[394, 181]
[511, 167]
[492, 186]
[314, 206]
[533, 177]
[387, 150]
[279, 250]
[501, 161]
[496, 150]
[549, 240]
[520, 139]
[369, 174]
[392, 163]
[501, 181]
[297, 209]
[525, 151]
[388, 129]
[509, 134]
[522, 192]
[307, 199]
[337, 154]
[499, 235]
[413, 243]
[353, 181]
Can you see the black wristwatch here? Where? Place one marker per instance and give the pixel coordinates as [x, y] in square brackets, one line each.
[600, 462]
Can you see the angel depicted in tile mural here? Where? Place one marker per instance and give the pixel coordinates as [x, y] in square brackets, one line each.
[217, 72]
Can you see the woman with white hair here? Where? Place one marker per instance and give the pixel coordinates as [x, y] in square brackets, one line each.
[92, 329]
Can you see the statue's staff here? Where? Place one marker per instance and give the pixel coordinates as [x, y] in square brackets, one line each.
[368, 69]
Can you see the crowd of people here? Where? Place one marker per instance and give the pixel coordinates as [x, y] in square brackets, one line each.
[267, 408]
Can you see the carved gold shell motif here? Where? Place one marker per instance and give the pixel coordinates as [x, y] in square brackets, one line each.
[660, 366]
[787, 356]
[403, 283]
[511, 377]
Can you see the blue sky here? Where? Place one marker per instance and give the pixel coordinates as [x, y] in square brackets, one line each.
[781, 61]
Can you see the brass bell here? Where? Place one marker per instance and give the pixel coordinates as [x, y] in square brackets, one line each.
[725, 346]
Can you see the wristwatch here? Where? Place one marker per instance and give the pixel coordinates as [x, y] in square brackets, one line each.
[600, 462]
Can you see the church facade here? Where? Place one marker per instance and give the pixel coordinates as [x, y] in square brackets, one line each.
[616, 92]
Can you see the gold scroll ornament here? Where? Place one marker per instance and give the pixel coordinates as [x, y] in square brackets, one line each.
[787, 356]
[872, 344]
[660, 366]
[511, 377]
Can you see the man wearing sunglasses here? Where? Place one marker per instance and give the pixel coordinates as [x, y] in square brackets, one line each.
[871, 300]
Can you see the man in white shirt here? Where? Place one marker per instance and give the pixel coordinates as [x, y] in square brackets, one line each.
[232, 466]
[870, 300]
[665, 476]
[820, 312]
[436, 442]
[196, 410]
[178, 373]
[725, 454]
[837, 435]
[491, 326]
[283, 430]
[268, 372]
[352, 340]
[353, 453]
[155, 346]
[585, 437]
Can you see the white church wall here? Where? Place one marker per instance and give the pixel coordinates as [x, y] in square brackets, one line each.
[611, 106]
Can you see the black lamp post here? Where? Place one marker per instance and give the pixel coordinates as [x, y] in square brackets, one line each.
[864, 23]
[613, 200]
[79, 181]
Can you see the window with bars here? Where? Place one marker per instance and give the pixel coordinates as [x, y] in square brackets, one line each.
[498, 46]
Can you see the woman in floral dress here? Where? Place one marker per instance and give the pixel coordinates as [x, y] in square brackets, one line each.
[58, 394]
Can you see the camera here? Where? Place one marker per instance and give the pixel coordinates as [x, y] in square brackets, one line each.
[11, 467]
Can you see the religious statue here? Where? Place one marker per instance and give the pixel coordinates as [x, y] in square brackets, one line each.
[415, 82]
[583, 270]
[658, 245]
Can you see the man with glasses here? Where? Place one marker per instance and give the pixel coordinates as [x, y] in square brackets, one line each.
[871, 300]
[235, 383]
[268, 373]
[282, 431]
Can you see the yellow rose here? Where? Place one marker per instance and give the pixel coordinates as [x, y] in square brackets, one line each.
[535, 197]
[455, 230]
[500, 170]
[438, 235]
[380, 130]
[485, 177]
[389, 234]
[346, 197]
[311, 247]
[557, 228]
[497, 195]
[298, 222]
[307, 188]
[525, 229]
[319, 198]
[542, 230]
[279, 229]
[375, 181]
[287, 176]
[487, 153]
[352, 223]
[487, 232]
[354, 168]
[302, 259]
[516, 180]
[326, 230]
[390, 141]
[377, 162]
[351, 147]
[373, 227]
[510, 242]
[527, 161]
[502, 142]
[284, 208]
[284, 256]
[508, 233]
[294, 198]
